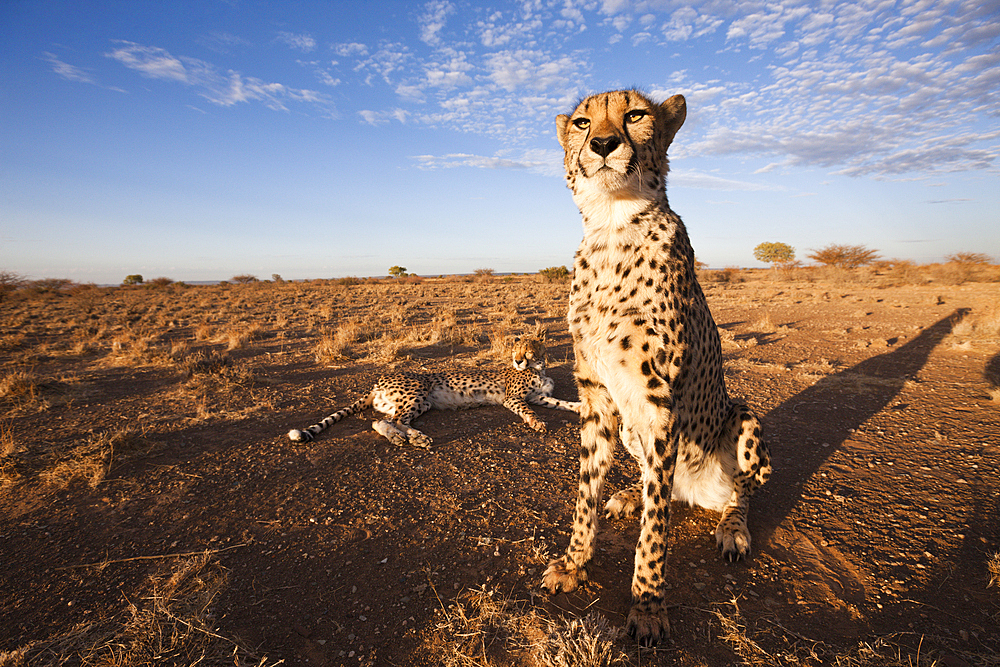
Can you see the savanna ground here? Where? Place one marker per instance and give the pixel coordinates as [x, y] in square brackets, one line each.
[153, 511]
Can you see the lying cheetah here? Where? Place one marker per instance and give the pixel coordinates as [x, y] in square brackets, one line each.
[406, 396]
[648, 358]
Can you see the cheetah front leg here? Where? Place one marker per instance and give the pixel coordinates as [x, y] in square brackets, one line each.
[742, 431]
[599, 422]
[647, 620]
[520, 408]
[556, 403]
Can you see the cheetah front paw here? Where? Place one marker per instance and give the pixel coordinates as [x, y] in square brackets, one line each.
[732, 536]
[563, 575]
[538, 425]
[390, 432]
[418, 439]
[648, 623]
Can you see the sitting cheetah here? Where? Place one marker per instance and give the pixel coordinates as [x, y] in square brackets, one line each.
[406, 396]
[648, 357]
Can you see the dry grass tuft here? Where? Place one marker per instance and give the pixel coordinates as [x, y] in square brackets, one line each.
[762, 322]
[173, 623]
[202, 363]
[239, 336]
[482, 628]
[586, 642]
[774, 645]
[11, 341]
[993, 565]
[91, 461]
[979, 325]
[338, 345]
[19, 389]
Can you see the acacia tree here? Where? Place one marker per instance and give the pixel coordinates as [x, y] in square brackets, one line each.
[775, 254]
[844, 256]
[397, 271]
[972, 258]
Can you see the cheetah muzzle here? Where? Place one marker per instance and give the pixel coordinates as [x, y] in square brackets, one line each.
[648, 357]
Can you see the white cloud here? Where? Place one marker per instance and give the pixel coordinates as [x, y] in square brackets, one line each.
[326, 78]
[304, 43]
[347, 50]
[533, 70]
[150, 61]
[221, 89]
[386, 62]
[545, 162]
[68, 72]
[382, 117]
[433, 20]
[697, 179]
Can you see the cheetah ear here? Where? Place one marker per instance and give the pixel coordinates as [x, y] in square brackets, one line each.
[671, 115]
[562, 122]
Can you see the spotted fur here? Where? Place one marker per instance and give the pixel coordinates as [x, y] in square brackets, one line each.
[648, 357]
[406, 396]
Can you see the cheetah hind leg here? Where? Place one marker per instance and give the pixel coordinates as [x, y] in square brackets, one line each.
[732, 535]
[624, 503]
[627, 501]
[401, 434]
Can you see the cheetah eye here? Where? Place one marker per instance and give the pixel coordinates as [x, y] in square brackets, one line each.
[582, 123]
[635, 116]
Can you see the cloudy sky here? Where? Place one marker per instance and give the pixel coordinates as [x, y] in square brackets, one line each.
[199, 140]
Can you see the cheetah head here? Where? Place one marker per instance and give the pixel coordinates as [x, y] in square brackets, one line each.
[616, 143]
[528, 353]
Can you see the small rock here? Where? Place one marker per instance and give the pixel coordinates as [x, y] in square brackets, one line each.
[699, 585]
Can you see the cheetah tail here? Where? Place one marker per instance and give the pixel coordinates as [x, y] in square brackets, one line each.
[309, 434]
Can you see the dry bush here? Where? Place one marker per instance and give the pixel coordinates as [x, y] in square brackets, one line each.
[555, 274]
[898, 272]
[730, 274]
[843, 256]
[172, 623]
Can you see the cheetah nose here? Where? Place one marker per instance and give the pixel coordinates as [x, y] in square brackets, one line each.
[604, 146]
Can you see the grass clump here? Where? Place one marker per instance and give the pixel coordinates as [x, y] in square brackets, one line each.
[171, 623]
[90, 461]
[483, 628]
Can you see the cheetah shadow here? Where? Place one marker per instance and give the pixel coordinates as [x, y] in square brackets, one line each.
[811, 426]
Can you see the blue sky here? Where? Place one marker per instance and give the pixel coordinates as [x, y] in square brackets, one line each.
[200, 140]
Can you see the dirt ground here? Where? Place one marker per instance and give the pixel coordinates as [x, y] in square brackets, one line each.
[151, 504]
